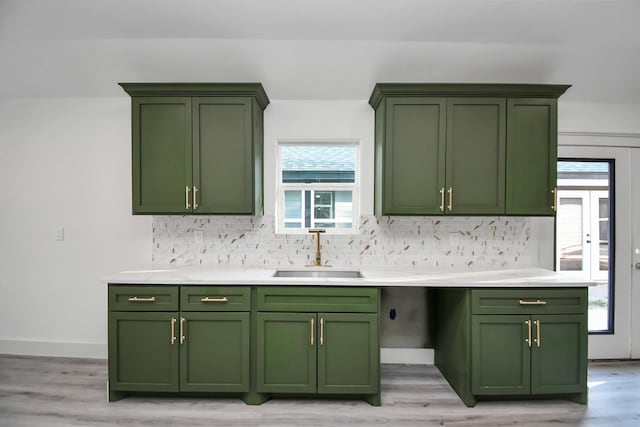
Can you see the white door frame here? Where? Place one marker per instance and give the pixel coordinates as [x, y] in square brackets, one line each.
[618, 344]
[635, 282]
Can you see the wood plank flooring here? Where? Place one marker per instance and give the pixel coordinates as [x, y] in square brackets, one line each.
[52, 392]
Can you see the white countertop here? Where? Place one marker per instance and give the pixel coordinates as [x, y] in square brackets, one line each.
[530, 278]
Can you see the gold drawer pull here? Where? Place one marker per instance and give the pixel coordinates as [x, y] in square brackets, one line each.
[321, 331]
[146, 299]
[441, 199]
[537, 302]
[209, 299]
[450, 206]
[173, 330]
[537, 339]
[187, 198]
[528, 340]
[313, 331]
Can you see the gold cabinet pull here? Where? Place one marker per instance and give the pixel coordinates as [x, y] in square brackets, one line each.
[210, 299]
[182, 337]
[441, 199]
[554, 204]
[187, 199]
[313, 331]
[528, 340]
[537, 340]
[321, 331]
[142, 299]
[195, 197]
[536, 302]
[173, 330]
[450, 205]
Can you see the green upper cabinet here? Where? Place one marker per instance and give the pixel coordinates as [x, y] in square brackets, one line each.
[413, 157]
[465, 149]
[475, 156]
[197, 148]
[161, 153]
[531, 156]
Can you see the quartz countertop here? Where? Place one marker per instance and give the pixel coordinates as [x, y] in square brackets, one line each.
[171, 275]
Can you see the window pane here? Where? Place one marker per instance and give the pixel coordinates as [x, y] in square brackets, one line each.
[570, 239]
[603, 207]
[293, 225]
[293, 204]
[323, 198]
[318, 163]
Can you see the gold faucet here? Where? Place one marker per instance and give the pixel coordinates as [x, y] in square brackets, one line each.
[318, 262]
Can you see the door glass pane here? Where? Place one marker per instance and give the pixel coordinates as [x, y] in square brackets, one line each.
[570, 239]
[583, 216]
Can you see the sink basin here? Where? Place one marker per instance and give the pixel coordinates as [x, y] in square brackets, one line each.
[348, 274]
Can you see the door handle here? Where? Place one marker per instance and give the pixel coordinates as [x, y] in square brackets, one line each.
[528, 340]
[313, 331]
[182, 337]
[441, 199]
[450, 206]
[537, 339]
[321, 331]
[173, 330]
[187, 198]
[195, 197]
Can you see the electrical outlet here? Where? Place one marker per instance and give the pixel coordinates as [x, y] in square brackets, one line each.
[198, 236]
[59, 233]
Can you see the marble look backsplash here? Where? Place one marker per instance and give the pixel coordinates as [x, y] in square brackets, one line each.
[420, 243]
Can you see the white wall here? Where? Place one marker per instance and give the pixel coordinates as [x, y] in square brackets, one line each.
[64, 162]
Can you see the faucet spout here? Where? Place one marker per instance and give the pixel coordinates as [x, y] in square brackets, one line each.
[318, 259]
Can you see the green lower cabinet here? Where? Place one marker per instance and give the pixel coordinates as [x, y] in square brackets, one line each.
[348, 355]
[522, 354]
[286, 353]
[143, 352]
[328, 353]
[558, 358]
[501, 357]
[178, 352]
[214, 352]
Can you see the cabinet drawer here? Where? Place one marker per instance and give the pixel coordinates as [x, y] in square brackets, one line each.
[143, 298]
[312, 299]
[215, 298]
[523, 301]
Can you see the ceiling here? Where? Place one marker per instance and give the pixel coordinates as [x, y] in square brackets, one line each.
[329, 49]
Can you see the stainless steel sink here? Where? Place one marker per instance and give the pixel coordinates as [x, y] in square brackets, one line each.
[341, 274]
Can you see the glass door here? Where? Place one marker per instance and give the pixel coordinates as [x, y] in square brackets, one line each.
[583, 247]
[608, 247]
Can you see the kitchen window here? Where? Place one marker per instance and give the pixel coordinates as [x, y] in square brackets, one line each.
[317, 187]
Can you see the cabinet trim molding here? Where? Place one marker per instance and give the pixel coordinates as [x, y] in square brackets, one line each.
[198, 89]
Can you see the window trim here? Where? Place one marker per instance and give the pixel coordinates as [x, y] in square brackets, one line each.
[281, 187]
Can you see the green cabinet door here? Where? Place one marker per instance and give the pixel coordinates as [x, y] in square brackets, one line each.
[559, 359]
[214, 352]
[348, 353]
[143, 351]
[286, 353]
[223, 160]
[161, 154]
[531, 156]
[475, 165]
[501, 357]
[413, 153]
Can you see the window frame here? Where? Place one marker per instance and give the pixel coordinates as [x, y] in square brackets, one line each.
[281, 187]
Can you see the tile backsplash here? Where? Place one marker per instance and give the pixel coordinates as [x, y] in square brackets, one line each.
[420, 243]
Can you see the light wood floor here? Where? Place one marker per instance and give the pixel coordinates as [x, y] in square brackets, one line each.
[42, 391]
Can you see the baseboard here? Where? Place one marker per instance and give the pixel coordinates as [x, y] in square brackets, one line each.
[54, 348]
[408, 356]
